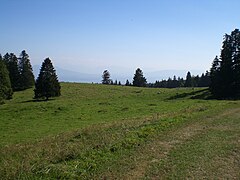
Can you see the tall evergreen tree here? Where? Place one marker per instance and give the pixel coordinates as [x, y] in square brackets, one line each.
[138, 79]
[25, 68]
[236, 60]
[11, 62]
[5, 84]
[106, 77]
[47, 84]
[127, 83]
[214, 75]
[188, 82]
[226, 75]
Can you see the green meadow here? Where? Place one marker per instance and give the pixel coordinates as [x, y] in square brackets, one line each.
[116, 132]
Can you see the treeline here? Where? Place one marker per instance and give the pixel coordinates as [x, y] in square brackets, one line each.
[16, 74]
[20, 70]
[225, 71]
[140, 81]
[190, 81]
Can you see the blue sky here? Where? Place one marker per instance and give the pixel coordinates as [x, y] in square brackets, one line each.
[119, 35]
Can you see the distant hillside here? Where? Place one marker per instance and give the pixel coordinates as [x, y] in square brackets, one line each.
[73, 76]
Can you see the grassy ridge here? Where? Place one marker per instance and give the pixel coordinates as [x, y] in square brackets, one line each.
[96, 131]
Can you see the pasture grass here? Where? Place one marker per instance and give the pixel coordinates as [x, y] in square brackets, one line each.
[115, 132]
[23, 119]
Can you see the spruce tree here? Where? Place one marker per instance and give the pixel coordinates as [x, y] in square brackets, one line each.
[214, 75]
[225, 73]
[106, 77]
[127, 83]
[47, 84]
[188, 82]
[5, 84]
[138, 79]
[226, 76]
[11, 62]
[236, 60]
[25, 68]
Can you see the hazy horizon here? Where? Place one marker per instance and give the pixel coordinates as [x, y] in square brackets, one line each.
[90, 36]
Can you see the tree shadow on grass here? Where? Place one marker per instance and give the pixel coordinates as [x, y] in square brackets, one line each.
[37, 100]
[199, 94]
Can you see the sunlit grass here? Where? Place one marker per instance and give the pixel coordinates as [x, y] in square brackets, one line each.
[97, 131]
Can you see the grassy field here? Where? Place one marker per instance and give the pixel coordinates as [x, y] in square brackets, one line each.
[116, 132]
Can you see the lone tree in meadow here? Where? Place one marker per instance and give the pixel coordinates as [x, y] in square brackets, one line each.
[47, 84]
[138, 79]
[106, 77]
[5, 84]
[26, 72]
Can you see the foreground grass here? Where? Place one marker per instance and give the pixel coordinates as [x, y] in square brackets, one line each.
[151, 133]
[23, 120]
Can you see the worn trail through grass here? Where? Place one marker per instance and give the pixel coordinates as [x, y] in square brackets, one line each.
[158, 159]
[108, 132]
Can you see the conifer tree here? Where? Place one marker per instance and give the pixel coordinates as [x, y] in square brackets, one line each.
[11, 62]
[127, 83]
[188, 82]
[25, 68]
[138, 79]
[236, 60]
[106, 77]
[47, 84]
[214, 75]
[5, 84]
[226, 75]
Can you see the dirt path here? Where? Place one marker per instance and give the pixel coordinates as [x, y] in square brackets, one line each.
[160, 147]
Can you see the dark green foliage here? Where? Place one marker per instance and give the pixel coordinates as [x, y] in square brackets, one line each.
[225, 73]
[25, 68]
[215, 78]
[236, 60]
[11, 62]
[106, 77]
[138, 79]
[195, 81]
[47, 84]
[204, 80]
[127, 83]
[5, 84]
[188, 82]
